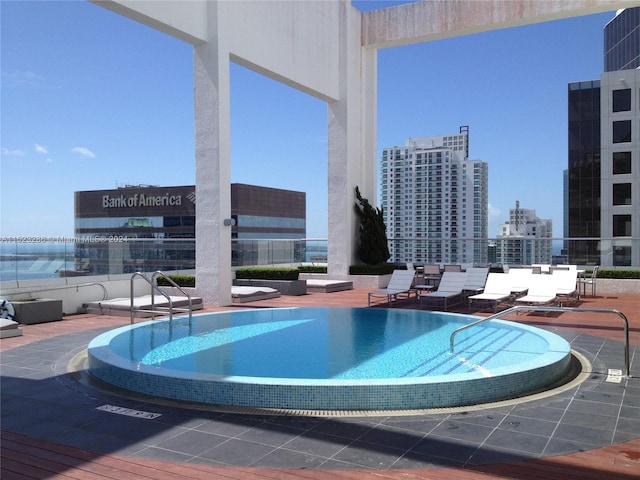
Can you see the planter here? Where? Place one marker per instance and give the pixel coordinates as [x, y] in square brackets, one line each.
[40, 310]
[617, 285]
[369, 281]
[285, 287]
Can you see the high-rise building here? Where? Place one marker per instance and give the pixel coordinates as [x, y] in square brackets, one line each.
[435, 200]
[524, 239]
[604, 153]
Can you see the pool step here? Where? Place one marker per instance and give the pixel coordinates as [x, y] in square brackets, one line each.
[470, 352]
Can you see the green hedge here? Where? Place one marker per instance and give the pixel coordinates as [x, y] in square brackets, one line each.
[267, 273]
[618, 274]
[182, 280]
[312, 269]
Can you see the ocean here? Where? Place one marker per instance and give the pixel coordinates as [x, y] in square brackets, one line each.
[31, 261]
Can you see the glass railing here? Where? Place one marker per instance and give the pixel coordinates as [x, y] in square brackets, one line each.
[31, 258]
[38, 258]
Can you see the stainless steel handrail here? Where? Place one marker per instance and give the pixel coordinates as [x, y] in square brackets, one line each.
[153, 287]
[159, 273]
[520, 308]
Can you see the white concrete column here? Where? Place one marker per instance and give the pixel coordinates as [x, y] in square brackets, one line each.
[350, 127]
[213, 178]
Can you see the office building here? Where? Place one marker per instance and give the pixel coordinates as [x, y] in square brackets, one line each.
[435, 201]
[133, 227]
[604, 153]
[524, 239]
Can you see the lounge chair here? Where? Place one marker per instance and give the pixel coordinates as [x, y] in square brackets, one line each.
[496, 290]
[400, 284]
[456, 267]
[519, 279]
[566, 282]
[476, 280]
[541, 291]
[450, 288]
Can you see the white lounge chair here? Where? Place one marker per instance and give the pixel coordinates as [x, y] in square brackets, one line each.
[400, 284]
[496, 290]
[541, 291]
[566, 282]
[450, 288]
[519, 279]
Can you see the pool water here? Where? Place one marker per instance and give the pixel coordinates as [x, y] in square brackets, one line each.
[252, 357]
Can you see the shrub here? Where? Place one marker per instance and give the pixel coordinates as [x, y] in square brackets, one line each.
[373, 248]
[618, 274]
[181, 280]
[312, 269]
[267, 273]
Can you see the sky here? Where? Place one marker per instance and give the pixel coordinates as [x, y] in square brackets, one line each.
[91, 100]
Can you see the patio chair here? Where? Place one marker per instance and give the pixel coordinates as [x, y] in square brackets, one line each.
[453, 268]
[400, 284]
[496, 290]
[586, 281]
[450, 288]
[541, 292]
[566, 282]
[432, 274]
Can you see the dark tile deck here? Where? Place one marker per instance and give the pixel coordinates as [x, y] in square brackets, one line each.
[47, 411]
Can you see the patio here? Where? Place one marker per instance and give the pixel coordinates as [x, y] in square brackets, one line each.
[54, 424]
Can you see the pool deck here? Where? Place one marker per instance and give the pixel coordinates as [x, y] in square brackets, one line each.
[52, 427]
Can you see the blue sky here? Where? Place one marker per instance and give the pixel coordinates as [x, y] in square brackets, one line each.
[92, 100]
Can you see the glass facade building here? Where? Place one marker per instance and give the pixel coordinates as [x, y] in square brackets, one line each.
[119, 230]
[622, 41]
[584, 171]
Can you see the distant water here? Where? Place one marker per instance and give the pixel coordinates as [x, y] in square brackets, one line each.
[31, 261]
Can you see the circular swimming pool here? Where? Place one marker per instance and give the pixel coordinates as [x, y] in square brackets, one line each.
[329, 359]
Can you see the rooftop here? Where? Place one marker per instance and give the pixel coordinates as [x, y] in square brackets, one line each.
[54, 423]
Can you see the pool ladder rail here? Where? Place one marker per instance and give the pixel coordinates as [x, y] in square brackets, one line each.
[159, 310]
[520, 308]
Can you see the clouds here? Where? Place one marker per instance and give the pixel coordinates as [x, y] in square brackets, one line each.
[40, 149]
[12, 153]
[83, 151]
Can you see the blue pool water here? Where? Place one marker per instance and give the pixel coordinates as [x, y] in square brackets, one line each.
[329, 358]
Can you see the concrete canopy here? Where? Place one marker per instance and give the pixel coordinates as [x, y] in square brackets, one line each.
[327, 49]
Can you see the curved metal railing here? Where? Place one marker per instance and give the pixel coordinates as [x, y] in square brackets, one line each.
[520, 308]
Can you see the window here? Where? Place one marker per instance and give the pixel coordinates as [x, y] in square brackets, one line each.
[622, 194]
[622, 100]
[622, 131]
[621, 163]
[622, 225]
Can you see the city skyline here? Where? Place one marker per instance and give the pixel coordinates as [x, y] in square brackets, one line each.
[84, 109]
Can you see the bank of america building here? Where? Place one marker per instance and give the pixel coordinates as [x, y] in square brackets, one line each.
[435, 201]
[148, 228]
